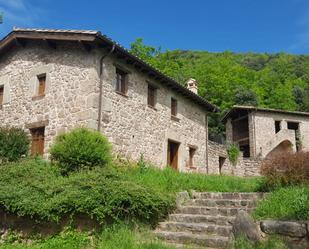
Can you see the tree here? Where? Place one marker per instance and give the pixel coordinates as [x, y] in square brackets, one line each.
[245, 97]
[143, 51]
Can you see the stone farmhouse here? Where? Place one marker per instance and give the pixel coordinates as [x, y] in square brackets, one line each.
[54, 80]
[262, 132]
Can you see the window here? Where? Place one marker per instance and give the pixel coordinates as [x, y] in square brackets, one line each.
[191, 156]
[37, 142]
[1, 94]
[42, 84]
[174, 107]
[152, 92]
[121, 81]
[277, 126]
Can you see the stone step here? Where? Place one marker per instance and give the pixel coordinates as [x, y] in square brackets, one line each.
[222, 203]
[222, 211]
[193, 239]
[184, 246]
[198, 218]
[227, 195]
[196, 228]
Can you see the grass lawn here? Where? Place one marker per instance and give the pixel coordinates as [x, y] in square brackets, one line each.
[171, 181]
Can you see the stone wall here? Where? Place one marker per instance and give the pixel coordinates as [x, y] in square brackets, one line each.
[246, 167]
[69, 88]
[136, 129]
[264, 125]
[72, 99]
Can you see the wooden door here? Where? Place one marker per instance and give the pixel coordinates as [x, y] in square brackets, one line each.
[37, 143]
[172, 154]
[221, 163]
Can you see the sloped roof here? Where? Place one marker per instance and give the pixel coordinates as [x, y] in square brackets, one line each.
[238, 108]
[91, 37]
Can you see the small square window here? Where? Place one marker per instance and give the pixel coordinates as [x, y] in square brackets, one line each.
[173, 107]
[41, 84]
[121, 81]
[1, 94]
[152, 95]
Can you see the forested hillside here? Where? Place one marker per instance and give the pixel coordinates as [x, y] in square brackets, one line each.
[268, 80]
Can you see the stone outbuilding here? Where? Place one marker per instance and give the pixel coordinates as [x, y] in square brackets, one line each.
[263, 132]
[54, 80]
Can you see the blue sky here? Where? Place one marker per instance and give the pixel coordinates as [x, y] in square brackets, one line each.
[213, 25]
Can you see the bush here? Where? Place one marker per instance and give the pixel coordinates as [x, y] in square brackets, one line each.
[233, 152]
[286, 169]
[35, 188]
[14, 143]
[81, 148]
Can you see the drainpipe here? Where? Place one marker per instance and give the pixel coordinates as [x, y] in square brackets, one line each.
[207, 141]
[101, 85]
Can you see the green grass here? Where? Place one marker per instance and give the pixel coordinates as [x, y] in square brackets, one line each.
[37, 189]
[114, 237]
[171, 181]
[271, 243]
[285, 203]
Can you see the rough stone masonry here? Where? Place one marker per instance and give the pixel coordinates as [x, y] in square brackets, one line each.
[70, 63]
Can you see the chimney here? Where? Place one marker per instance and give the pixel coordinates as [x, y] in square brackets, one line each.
[192, 85]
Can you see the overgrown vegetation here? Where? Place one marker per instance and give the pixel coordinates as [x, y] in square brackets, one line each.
[37, 189]
[122, 192]
[285, 203]
[286, 169]
[268, 80]
[81, 148]
[271, 243]
[169, 181]
[14, 143]
[119, 236]
[233, 152]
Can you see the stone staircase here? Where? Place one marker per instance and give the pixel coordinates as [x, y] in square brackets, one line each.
[205, 220]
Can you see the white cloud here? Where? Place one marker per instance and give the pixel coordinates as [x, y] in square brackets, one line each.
[15, 4]
[19, 13]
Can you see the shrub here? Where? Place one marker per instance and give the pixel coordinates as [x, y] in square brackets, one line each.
[35, 188]
[81, 148]
[233, 153]
[14, 143]
[286, 169]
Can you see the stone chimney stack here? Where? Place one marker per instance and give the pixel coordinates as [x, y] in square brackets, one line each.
[192, 85]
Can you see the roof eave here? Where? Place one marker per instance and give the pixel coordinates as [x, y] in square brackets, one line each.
[92, 36]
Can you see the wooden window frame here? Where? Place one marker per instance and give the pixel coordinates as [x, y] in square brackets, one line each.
[152, 96]
[122, 80]
[1, 95]
[41, 84]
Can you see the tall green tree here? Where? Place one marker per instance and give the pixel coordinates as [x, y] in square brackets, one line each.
[269, 80]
